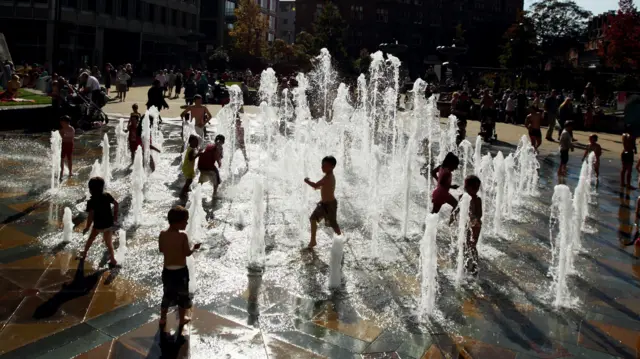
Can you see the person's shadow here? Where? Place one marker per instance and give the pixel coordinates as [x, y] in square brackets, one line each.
[80, 286]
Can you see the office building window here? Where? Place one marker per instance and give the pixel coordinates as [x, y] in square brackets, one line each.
[163, 15]
[270, 37]
[41, 1]
[318, 11]
[138, 11]
[229, 8]
[285, 21]
[194, 22]
[357, 12]
[89, 5]
[123, 8]
[272, 5]
[382, 15]
[272, 23]
[108, 7]
[152, 13]
[70, 3]
[184, 20]
[418, 19]
[174, 17]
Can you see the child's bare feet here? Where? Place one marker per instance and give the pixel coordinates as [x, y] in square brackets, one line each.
[185, 320]
[312, 244]
[162, 323]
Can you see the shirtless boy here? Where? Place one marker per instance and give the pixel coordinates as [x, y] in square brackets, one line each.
[327, 208]
[174, 246]
[594, 147]
[200, 114]
[532, 123]
[629, 148]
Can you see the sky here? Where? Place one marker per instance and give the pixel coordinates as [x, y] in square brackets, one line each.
[595, 6]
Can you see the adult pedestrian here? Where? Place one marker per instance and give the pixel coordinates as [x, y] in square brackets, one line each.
[155, 96]
[551, 113]
[565, 113]
[178, 83]
[108, 69]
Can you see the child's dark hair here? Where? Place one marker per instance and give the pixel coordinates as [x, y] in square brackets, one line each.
[473, 181]
[194, 138]
[451, 160]
[594, 136]
[177, 214]
[198, 96]
[220, 138]
[96, 186]
[65, 118]
[134, 107]
[331, 160]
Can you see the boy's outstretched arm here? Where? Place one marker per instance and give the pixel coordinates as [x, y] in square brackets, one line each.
[184, 113]
[155, 149]
[315, 185]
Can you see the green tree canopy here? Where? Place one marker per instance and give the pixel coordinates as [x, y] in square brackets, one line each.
[559, 24]
[520, 49]
[250, 29]
[330, 31]
[622, 37]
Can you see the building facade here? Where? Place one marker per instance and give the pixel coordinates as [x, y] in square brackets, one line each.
[217, 18]
[287, 21]
[71, 33]
[422, 25]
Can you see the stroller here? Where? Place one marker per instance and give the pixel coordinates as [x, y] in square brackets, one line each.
[90, 110]
[488, 124]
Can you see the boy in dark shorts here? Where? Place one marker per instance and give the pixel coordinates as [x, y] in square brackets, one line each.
[566, 144]
[68, 134]
[100, 215]
[629, 148]
[174, 245]
[472, 186]
[594, 147]
[327, 208]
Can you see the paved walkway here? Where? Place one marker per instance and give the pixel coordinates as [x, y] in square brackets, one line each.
[50, 307]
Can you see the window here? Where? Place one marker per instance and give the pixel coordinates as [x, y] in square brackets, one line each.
[174, 17]
[229, 8]
[356, 12]
[163, 15]
[229, 26]
[123, 8]
[418, 19]
[382, 15]
[418, 2]
[70, 3]
[40, 1]
[194, 22]
[184, 20]
[285, 21]
[152, 13]
[318, 11]
[272, 5]
[270, 37]
[108, 7]
[139, 11]
[89, 5]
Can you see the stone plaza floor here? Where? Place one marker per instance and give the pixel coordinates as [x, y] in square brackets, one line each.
[50, 307]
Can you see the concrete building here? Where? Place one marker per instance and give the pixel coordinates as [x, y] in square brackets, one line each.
[287, 21]
[69, 33]
[217, 18]
[422, 25]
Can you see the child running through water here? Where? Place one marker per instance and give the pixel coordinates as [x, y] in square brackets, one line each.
[472, 186]
[566, 144]
[594, 147]
[102, 218]
[174, 246]
[443, 175]
[327, 208]
[188, 165]
[207, 164]
[68, 134]
[132, 129]
[240, 136]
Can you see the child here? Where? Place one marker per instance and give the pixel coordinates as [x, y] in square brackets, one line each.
[629, 148]
[240, 136]
[594, 147]
[207, 164]
[472, 186]
[327, 208]
[188, 165]
[132, 128]
[174, 245]
[443, 175]
[152, 164]
[67, 133]
[532, 123]
[201, 115]
[566, 144]
[100, 215]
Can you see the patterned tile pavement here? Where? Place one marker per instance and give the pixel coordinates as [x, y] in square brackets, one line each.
[52, 306]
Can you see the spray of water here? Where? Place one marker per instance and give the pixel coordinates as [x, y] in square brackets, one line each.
[257, 250]
[122, 143]
[499, 188]
[335, 263]
[122, 248]
[67, 225]
[463, 232]
[138, 178]
[561, 232]
[56, 154]
[428, 267]
[195, 231]
[106, 165]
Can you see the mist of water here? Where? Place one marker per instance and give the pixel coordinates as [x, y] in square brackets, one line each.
[561, 232]
[499, 177]
[428, 267]
[121, 252]
[122, 143]
[138, 178]
[463, 232]
[106, 164]
[146, 139]
[67, 225]
[56, 155]
[335, 263]
[257, 247]
[195, 231]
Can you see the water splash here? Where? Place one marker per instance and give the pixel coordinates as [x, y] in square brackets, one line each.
[195, 231]
[138, 178]
[146, 139]
[122, 248]
[122, 143]
[463, 232]
[106, 165]
[257, 251]
[499, 188]
[428, 267]
[67, 225]
[561, 232]
[56, 155]
[335, 263]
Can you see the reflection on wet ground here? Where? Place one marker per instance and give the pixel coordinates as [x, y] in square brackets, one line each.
[52, 305]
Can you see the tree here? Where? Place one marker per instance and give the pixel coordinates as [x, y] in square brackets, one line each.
[520, 50]
[250, 29]
[621, 48]
[559, 24]
[330, 31]
[280, 51]
[218, 59]
[303, 49]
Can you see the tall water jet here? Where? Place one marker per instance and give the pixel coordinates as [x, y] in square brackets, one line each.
[146, 140]
[257, 250]
[592, 177]
[195, 231]
[463, 232]
[477, 155]
[56, 155]
[96, 169]
[67, 225]
[510, 184]
[528, 166]
[408, 174]
[122, 142]
[138, 177]
[324, 78]
[106, 165]
[499, 187]
[561, 230]
[376, 70]
[268, 91]
[300, 98]
[122, 248]
[428, 267]
[465, 149]
[335, 263]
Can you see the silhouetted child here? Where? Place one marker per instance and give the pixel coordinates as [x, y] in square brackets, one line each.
[566, 145]
[327, 208]
[68, 134]
[188, 165]
[102, 218]
[174, 246]
[132, 129]
[443, 175]
[594, 147]
[628, 151]
[240, 136]
[472, 186]
[462, 131]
